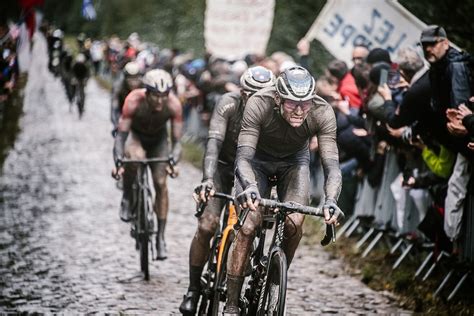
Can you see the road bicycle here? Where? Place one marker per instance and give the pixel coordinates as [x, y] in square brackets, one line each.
[265, 291]
[142, 206]
[213, 281]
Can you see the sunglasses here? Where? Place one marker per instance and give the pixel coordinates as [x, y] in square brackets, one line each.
[292, 105]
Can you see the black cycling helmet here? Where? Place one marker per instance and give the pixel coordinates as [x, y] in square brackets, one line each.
[295, 83]
[256, 78]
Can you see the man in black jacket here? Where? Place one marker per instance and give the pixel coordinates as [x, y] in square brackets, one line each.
[450, 87]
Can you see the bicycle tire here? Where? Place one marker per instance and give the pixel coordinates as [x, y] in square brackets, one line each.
[207, 279]
[143, 236]
[80, 101]
[272, 300]
[218, 289]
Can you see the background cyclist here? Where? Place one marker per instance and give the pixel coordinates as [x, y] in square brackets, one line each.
[142, 133]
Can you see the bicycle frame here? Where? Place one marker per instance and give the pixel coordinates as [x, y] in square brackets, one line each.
[212, 287]
[144, 201]
[255, 295]
[231, 220]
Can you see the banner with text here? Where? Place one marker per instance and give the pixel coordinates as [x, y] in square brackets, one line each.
[342, 24]
[235, 28]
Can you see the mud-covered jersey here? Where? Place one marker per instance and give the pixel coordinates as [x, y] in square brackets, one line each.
[275, 140]
[225, 124]
[264, 128]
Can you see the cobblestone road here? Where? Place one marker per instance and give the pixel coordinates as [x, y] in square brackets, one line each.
[64, 249]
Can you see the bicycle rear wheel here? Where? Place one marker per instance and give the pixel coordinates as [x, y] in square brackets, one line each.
[220, 287]
[273, 298]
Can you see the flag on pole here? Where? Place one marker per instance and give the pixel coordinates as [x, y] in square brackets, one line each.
[88, 11]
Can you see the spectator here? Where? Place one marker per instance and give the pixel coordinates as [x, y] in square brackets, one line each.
[359, 54]
[450, 87]
[337, 71]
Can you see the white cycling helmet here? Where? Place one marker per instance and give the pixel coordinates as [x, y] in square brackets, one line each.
[158, 80]
[256, 78]
[131, 69]
[295, 83]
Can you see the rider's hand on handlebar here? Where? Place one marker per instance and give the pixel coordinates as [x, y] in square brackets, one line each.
[117, 172]
[171, 168]
[331, 212]
[203, 191]
[250, 197]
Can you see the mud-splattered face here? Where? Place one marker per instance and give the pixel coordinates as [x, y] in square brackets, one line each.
[295, 112]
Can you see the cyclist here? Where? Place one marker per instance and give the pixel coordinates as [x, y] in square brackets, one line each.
[277, 124]
[80, 75]
[218, 172]
[130, 80]
[142, 133]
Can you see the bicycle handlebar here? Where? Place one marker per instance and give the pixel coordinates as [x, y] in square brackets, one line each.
[292, 207]
[145, 161]
[202, 205]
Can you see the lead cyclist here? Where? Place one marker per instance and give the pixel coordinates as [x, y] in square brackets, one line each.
[277, 124]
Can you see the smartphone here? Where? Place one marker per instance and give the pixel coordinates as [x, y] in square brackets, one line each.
[393, 78]
[383, 77]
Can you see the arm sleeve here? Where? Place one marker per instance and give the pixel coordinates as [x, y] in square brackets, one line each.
[441, 165]
[329, 154]
[460, 92]
[224, 108]
[176, 127]
[247, 144]
[243, 166]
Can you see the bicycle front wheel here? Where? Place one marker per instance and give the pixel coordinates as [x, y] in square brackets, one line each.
[143, 237]
[273, 298]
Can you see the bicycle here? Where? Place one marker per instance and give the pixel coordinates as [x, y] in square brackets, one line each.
[266, 290]
[143, 202]
[213, 291]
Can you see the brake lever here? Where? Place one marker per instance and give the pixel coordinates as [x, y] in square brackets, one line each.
[330, 235]
[200, 209]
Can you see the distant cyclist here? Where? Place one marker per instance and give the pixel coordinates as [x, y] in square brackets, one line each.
[130, 79]
[142, 133]
[218, 173]
[80, 75]
[277, 124]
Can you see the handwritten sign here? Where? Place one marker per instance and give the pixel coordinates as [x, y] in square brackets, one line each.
[342, 24]
[235, 28]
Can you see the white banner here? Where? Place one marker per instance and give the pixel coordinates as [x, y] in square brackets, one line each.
[375, 23]
[235, 28]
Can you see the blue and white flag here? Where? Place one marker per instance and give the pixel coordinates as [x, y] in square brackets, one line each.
[88, 11]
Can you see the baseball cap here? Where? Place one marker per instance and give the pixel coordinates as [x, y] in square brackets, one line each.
[432, 33]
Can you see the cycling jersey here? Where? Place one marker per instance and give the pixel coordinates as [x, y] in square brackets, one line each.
[272, 139]
[225, 125]
[148, 123]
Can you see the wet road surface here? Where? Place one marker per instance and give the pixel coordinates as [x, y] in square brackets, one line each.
[64, 249]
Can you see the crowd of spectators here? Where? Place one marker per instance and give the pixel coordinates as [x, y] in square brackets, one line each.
[8, 62]
[407, 143]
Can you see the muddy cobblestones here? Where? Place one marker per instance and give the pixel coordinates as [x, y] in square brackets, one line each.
[64, 249]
